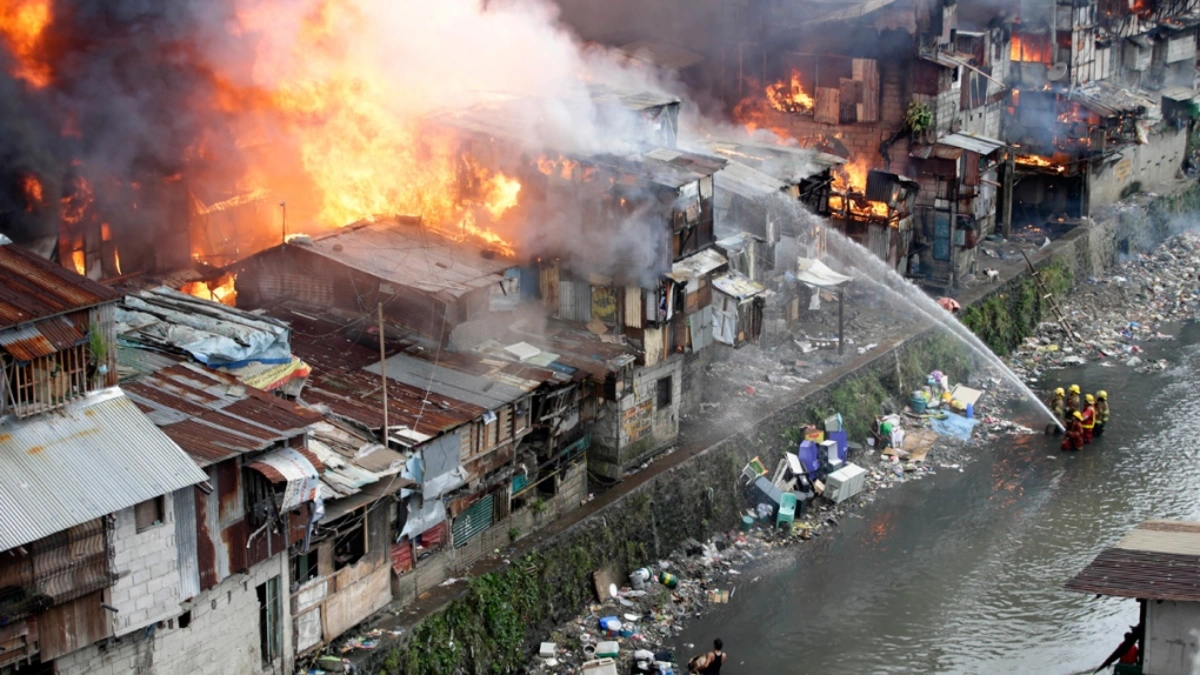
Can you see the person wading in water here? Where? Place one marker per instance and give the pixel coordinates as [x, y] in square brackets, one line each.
[710, 663]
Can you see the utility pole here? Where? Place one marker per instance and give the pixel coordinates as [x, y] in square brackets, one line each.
[383, 375]
[283, 220]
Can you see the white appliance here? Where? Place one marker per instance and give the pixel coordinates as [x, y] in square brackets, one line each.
[845, 483]
[830, 448]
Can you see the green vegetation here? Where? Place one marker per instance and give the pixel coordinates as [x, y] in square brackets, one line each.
[918, 117]
[1006, 318]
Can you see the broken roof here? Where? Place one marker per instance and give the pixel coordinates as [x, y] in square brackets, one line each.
[1157, 560]
[696, 265]
[95, 456]
[32, 288]
[213, 416]
[408, 255]
[212, 333]
[633, 100]
[737, 285]
[746, 182]
[1108, 100]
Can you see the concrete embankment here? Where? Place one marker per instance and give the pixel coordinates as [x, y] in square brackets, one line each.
[493, 623]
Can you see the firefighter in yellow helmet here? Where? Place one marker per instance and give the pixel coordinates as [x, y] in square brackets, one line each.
[1102, 411]
[1074, 438]
[1073, 403]
[1089, 418]
[1057, 405]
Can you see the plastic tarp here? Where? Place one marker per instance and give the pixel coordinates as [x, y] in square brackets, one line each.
[432, 512]
[954, 425]
[816, 273]
[810, 457]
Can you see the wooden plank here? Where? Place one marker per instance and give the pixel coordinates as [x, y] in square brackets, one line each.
[828, 106]
[851, 93]
[866, 71]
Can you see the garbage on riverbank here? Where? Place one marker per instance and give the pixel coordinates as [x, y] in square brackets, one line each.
[1115, 316]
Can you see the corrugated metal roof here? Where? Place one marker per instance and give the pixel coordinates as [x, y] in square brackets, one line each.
[785, 163]
[1158, 560]
[973, 142]
[94, 457]
[697, 265]
[668, 167]
[746, 182]
[212, 416]
[737, 285]
[40, 339]
[633, 100]
[410, 256]
[426, 375]
[935, 151]
[32, 287]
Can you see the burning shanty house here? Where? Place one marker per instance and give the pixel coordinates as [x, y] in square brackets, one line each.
[1091, 82]
[880, 217]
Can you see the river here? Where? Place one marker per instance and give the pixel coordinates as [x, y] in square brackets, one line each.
[963, 572]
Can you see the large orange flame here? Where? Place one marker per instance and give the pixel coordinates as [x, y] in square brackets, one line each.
[32, 189]
[789, 96]
[22, 23]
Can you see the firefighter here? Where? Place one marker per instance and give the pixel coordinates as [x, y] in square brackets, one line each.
[1102, 411]
[1073, 400]
[1089, 418]
[1074, 438]
[1058, 406]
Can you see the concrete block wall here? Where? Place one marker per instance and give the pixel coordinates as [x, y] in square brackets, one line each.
[147, 565]
[222, 636]
[1152, 164]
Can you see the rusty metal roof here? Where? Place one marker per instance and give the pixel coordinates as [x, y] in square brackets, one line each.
[665, 166]
[94, 457]
[32, 288]
[213, 416]
[409, 255]
[1158, 560]
[40, 339]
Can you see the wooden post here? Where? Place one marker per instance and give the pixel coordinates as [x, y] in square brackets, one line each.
[383, 376]
[283, 221]
[1006, 191]
[841, 317]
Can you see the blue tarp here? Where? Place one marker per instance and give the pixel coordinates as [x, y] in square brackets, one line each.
[954, 425]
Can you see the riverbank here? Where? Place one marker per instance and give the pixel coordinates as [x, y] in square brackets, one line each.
[524, 594]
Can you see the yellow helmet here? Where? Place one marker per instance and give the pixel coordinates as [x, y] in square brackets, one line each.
[1102, 395]
[1074, 389]
[1059, 392]
[1089, 398]
[1078, 415]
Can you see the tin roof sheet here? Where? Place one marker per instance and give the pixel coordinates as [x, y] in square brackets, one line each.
[32, 287]
[212, 416]
[785, 163]
[410, 256]
[982, 145]
[40, 339]
[737, 285]
[747, 182]
[1158, 560]
[480, 391]
[1108, 100]
[697, 265]
[95, 457]
[668, 167]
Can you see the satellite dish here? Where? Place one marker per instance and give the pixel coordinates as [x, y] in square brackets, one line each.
[1056, 72]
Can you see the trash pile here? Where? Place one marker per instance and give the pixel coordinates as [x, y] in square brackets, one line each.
[628, 628]
[1115, 316]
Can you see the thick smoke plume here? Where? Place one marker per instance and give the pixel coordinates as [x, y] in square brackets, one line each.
[136, 113]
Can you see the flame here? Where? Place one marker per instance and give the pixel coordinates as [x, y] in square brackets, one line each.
[79, 261]
[1031, 48]
[22, 23]
[789, 96]
[1033, 160]
[502, 194]
[117, 260]
[223, 289]
[850, 180]
[32, 189]
[76, 203]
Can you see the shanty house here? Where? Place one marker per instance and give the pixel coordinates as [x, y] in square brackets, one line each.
[426, 283]
[1158, 565]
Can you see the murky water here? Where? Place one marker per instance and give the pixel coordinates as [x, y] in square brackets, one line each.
[962, 572]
